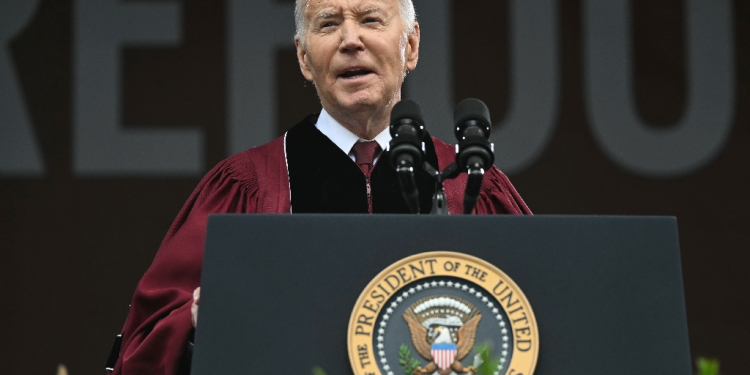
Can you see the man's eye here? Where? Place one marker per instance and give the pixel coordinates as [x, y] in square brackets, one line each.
[371, 20]
[326, 24]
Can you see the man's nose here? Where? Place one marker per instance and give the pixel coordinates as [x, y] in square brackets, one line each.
[351, 37]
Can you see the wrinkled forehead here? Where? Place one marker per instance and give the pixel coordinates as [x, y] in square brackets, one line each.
[316, 8]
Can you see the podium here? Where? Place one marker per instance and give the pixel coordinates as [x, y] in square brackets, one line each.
[277, 291]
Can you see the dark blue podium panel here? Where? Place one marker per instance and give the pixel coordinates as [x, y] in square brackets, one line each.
[277, 291]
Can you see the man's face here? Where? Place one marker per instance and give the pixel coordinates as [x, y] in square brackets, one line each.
[357, 53]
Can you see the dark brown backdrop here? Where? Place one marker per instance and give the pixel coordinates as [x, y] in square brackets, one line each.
[72, 248]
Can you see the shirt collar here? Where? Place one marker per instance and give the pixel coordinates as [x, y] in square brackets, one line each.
[342, 137]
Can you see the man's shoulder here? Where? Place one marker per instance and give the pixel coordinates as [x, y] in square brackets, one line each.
[258, 158]
[266, 159]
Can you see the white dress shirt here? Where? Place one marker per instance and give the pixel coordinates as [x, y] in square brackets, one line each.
[344, 138]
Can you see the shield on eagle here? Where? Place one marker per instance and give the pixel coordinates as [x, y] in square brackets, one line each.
[443, 354]
[443, 329]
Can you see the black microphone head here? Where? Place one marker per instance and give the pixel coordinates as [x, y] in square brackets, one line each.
[407, 131]
[407, 109]
[472, 109]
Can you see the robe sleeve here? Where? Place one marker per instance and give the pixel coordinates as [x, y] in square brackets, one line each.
[159, 324]
[498, 196]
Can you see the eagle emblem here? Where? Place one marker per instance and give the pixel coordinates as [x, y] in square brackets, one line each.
[443, 330]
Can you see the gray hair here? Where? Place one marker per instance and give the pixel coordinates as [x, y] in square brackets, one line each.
[408, 16]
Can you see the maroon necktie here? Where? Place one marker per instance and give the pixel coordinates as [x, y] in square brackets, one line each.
[364, 155]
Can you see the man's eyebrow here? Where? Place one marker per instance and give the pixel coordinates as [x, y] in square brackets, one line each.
[325, 15]
[370, 10]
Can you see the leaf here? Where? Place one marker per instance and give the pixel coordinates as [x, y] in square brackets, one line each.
[489, 364]
[407, 362]
[318, 371]
[707, 366]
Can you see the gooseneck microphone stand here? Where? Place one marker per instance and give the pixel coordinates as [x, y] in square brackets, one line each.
[474, 152]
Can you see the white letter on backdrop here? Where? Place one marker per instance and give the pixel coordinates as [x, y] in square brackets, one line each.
[100, 145]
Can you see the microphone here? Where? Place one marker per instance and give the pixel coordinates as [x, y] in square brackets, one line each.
[406, 148]
[474, 153]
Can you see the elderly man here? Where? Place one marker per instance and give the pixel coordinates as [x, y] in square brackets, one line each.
[357, 53]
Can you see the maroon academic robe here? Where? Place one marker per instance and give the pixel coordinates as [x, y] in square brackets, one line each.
[159, 325]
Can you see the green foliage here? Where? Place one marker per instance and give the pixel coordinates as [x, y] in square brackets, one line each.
[318, 371]
[407, 362]
[489, 364]
[707, 366]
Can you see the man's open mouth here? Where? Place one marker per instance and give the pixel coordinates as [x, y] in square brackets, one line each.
[355, 73]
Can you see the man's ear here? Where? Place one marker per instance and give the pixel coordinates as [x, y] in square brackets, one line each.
[412, 48]
[302, 60]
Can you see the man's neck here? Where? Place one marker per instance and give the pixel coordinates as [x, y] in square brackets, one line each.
[366, 125]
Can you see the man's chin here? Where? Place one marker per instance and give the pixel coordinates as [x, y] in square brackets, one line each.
[359, 103]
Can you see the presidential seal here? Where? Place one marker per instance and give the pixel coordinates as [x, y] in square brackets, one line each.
[426, 314]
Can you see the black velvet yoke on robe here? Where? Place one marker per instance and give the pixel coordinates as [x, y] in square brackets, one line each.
[323, 179]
